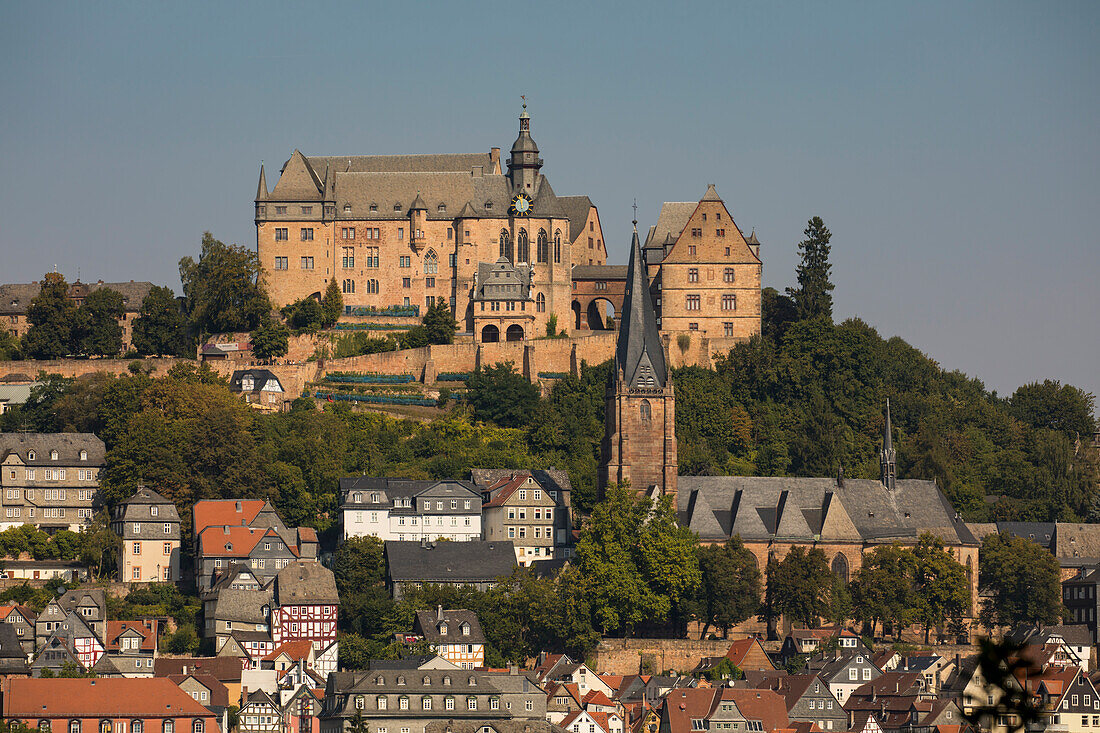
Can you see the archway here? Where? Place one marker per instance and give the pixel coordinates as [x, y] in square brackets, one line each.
[514, 333]
[490, 334]
[576, 314]
[840, 567]
[601, 312]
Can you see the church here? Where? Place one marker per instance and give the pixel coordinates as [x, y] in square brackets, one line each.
[844, 517]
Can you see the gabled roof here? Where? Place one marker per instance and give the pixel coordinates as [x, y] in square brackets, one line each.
[234, 541]
[92, 698]
[147, 630]
[298, 182]
[552, 479]
[763, 705]
[67, 445]
[740, 649]
[219, 693]
[576, 209]
[223, 669]
[430, 625]
[211, 512]
[305, 581]
[449, 562]
[296, 650]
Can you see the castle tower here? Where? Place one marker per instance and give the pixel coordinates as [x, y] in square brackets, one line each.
[888, 457]
[525, 163]
[639, 444]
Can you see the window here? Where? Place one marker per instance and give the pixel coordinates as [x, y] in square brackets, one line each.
[281, 234]
[105, 726]
[403, 703]
[693, 274]
[494, 703]
[167, 548]
[692, 303]
[348, 254]
[523, 253]
[307, 263]
[406, 282]
[542, 251]
[347, 232]
[557, 245]
[727, 329]
[853, 674]
[691, 250]
[528, 705]
[729, 302]
[167, 528]
[449, 703]
[720, 232]
[431, 263]
[696, 232]
[866, 673]
[646, 411]
[405, 261]
[381, 702]
[307, 234]
[471, 703]
[348, 286]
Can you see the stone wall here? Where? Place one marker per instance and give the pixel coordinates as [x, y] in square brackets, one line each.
[627, 656]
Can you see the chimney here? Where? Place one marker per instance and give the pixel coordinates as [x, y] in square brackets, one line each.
[439, 612]
[494, 159]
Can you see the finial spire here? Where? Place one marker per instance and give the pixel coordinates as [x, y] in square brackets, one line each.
[635, 214]
[889, 457]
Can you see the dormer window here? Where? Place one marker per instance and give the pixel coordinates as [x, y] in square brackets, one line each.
[53, 455]
[229, 546]
[153, 511]
[374, 207]
[83, 455]
[397, 207]
[465, 629]
[446, 680]
[427, 680]
[357, 497]
[442, 208]
[30, 455]
[374, 497]
[347, 208]
[488, 204]
[443, 629]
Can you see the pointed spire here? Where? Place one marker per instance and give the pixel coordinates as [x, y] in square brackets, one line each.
[639, 354]
[261, 189]
[711, 194]
[418, 203]
[888, 458]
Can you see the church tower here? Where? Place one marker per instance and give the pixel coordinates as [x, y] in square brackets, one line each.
[525, 163]
[888, 457]
[639, 444]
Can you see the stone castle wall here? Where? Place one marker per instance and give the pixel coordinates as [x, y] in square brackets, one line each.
[655, 656]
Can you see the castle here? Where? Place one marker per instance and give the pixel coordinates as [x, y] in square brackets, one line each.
[498, 245]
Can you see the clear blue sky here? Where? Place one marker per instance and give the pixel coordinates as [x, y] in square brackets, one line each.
[952, 148]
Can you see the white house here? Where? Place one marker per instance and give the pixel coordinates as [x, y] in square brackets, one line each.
[406, 509]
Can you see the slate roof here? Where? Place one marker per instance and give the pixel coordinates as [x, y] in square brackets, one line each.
[360, 681]
[82, 597]
[12, 657]
[260, 379]
[223, 669]
[1076, 540]
[576, 209]
[429, 625]
[454, 162]
[391, 488]
[639, 353]
[136, 510]
[599, 272]
[670, 222]
[449, 562]
[501, 280]
[67, 445]
[15, 298]
[1040, 532]
[553, 479]
[235, 604]
[305, 581]
[788, 508]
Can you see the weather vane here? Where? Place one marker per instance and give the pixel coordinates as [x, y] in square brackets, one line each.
[524, 98]
[635, 213]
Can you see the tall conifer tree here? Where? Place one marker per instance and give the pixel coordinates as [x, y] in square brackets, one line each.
[813, 297]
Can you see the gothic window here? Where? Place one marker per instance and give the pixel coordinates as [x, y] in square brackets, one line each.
[505, 245]
[431, 262]
[349, 286]
[557, 245]
[543, 252]
[647, 411]
[522, 249]
[840, 567]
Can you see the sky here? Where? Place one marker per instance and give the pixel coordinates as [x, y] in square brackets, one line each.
[951, 148]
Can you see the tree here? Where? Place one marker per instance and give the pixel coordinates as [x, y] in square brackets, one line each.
[943, 593]
[160, 329]
[358, 724]
[358, 564]
[271, 340]
[639, 564]
[884, 588]
[439, 324]
[813, 297]
[305, 315]
[332, 305]
[1019, 582]
[9, 346]
[777, 313]
[1054, 406]
[224, 291]
[498, 394]
[730, 589]
[800, 586]
[51, 315]
[97, 331]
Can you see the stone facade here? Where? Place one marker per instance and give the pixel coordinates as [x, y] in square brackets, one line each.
[15, 298]
[411, 230]
[50, 480]
[149, 527]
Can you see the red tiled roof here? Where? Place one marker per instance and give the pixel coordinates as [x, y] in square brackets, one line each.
[595, 697]
[740, 649]
[294, 649]
[147, 629]
[219, 693]
[216, 541]
[104, 697]
[614, 681]
[224, 669]
[211, 512]
[504, 487]
[309, 534]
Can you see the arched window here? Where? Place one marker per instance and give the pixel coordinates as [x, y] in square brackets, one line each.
[372, 286]
[557, 245]
[427, 679]
[540, 303]
[505, 245]
[53, 455]
[30, 455]
[522, 248]
[969, 569]
[542, 252]
[43, 725]
[83, 455]
[431, 262]
[646, 411]
[840, 567]
[357, 498]
[349, 286]
[198, 726]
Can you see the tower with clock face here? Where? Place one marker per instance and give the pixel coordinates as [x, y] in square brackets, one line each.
[525, 163]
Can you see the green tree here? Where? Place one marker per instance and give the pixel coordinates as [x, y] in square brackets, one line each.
[332, 304]
[638, 562]
[305, 316]
[51, 315]
[358, 724]
[813, 298]
[97, 331]
[1054, 406]
[500, 395]
[9, 347]
[271, 340]
[72, 669]
[884, 588]
[439, 324]
[358, 564]
[943, 593]
[777, 313]
[1019, 582]
[801, 586]
[160, 329]
[223, 291]
[730, 585]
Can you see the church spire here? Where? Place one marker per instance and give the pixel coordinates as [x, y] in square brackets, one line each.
[639, 354]
[261, 189]
[888, 457]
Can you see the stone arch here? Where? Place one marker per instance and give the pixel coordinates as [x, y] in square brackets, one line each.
[514, 333]
[490, 334]
[542, 249]
[840, 567]
[576, 307]
[523, 249]
[599, 311]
